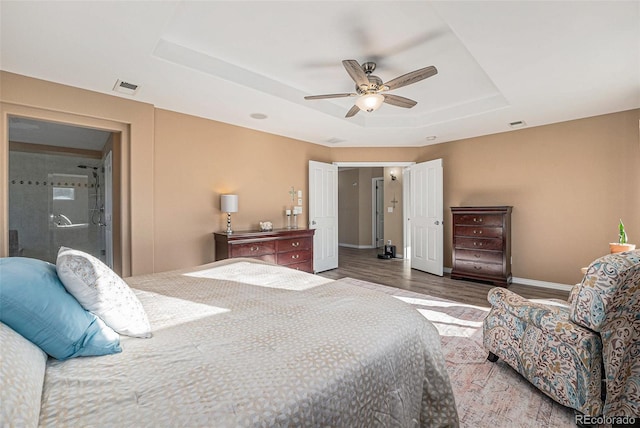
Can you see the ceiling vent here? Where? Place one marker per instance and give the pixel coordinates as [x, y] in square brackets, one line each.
[125, 87]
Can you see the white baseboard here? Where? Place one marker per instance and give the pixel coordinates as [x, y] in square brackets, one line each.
[533, 282]
[543, 284]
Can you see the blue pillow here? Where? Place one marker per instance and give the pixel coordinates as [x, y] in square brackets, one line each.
[34, 303]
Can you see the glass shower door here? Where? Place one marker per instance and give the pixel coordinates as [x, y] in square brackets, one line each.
[69, 212]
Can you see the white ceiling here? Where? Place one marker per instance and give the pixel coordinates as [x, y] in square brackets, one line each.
[498, 62]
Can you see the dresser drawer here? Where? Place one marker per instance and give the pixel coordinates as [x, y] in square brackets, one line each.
[271, 258]
[294, 244]
[479, 256]
[291, 257]
[479, 219]
[477, 268]
[480, 232]
[253, 249]
[477, 243]
[303, 266]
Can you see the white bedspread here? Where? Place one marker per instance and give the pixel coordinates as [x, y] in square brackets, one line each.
[225, 353]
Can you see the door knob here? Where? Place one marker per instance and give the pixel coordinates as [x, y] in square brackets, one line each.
[436, 222]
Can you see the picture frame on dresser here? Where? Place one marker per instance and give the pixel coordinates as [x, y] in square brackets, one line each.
[481, 247]
[292, 248]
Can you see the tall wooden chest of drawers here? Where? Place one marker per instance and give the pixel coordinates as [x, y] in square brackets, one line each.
[482, 244]
[287, 247]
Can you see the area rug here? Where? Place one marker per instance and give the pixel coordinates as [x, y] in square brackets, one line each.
[487, 394]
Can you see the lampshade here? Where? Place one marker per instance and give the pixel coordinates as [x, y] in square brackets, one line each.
[370, 102]
[229, 203]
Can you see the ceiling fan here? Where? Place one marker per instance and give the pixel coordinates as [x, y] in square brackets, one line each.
[371, 90]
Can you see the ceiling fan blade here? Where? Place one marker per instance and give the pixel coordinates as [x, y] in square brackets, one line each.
[322, 97]
[354, 110]
[413, 77]
[356, 72]
[398, 101]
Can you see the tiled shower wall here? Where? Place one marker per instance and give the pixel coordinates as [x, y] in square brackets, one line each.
[30, 205]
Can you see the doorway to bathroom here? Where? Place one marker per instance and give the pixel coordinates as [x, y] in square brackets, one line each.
[59, 189]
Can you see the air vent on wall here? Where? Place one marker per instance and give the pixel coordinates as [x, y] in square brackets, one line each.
[125, 87]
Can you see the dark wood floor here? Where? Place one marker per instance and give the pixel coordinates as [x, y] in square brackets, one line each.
[366, 266]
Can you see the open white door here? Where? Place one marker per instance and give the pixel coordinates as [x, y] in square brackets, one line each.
[323, 214]
[425, 217]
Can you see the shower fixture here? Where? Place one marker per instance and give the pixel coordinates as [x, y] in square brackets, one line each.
[98, 209]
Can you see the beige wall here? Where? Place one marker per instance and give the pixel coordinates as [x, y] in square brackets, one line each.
[348, 207]
[569, 183]
[355, 204]
[196, 160]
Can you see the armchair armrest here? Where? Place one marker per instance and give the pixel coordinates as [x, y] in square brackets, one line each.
[550, 319]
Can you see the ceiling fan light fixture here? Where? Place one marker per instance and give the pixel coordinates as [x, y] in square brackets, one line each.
[370, 102]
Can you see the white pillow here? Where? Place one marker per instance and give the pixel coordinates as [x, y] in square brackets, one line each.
[22, 366]
[101, 291]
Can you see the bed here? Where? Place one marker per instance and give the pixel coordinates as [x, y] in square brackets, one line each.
[244, 343]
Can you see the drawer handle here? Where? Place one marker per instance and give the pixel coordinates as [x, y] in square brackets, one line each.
[477, 219]
[478, 232]
[255, 248]
[476, 244]
[477, 256]
[295, 256]
[477, 267]
[295, 244]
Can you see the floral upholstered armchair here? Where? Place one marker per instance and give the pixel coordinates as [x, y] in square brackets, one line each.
[585, 353]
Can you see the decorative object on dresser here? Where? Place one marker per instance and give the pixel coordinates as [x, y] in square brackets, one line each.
[266, 226]
[229, 204]
[287, 247]
[482, 244]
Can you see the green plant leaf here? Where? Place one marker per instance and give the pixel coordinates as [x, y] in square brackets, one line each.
[622, 234]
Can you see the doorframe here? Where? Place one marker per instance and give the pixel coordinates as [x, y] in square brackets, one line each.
[402, 165]
[374, 210]
[123, 244]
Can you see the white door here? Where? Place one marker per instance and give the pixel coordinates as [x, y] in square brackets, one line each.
[323, 214]
[108, 208]
[426, 216]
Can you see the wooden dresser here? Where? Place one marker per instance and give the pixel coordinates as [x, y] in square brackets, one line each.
[482, 244]
[287, 247]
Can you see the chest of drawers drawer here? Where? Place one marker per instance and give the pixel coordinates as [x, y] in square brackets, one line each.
[480, 232]
[479, 256]
[477, 243]
[478, 268]
[479, 219]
